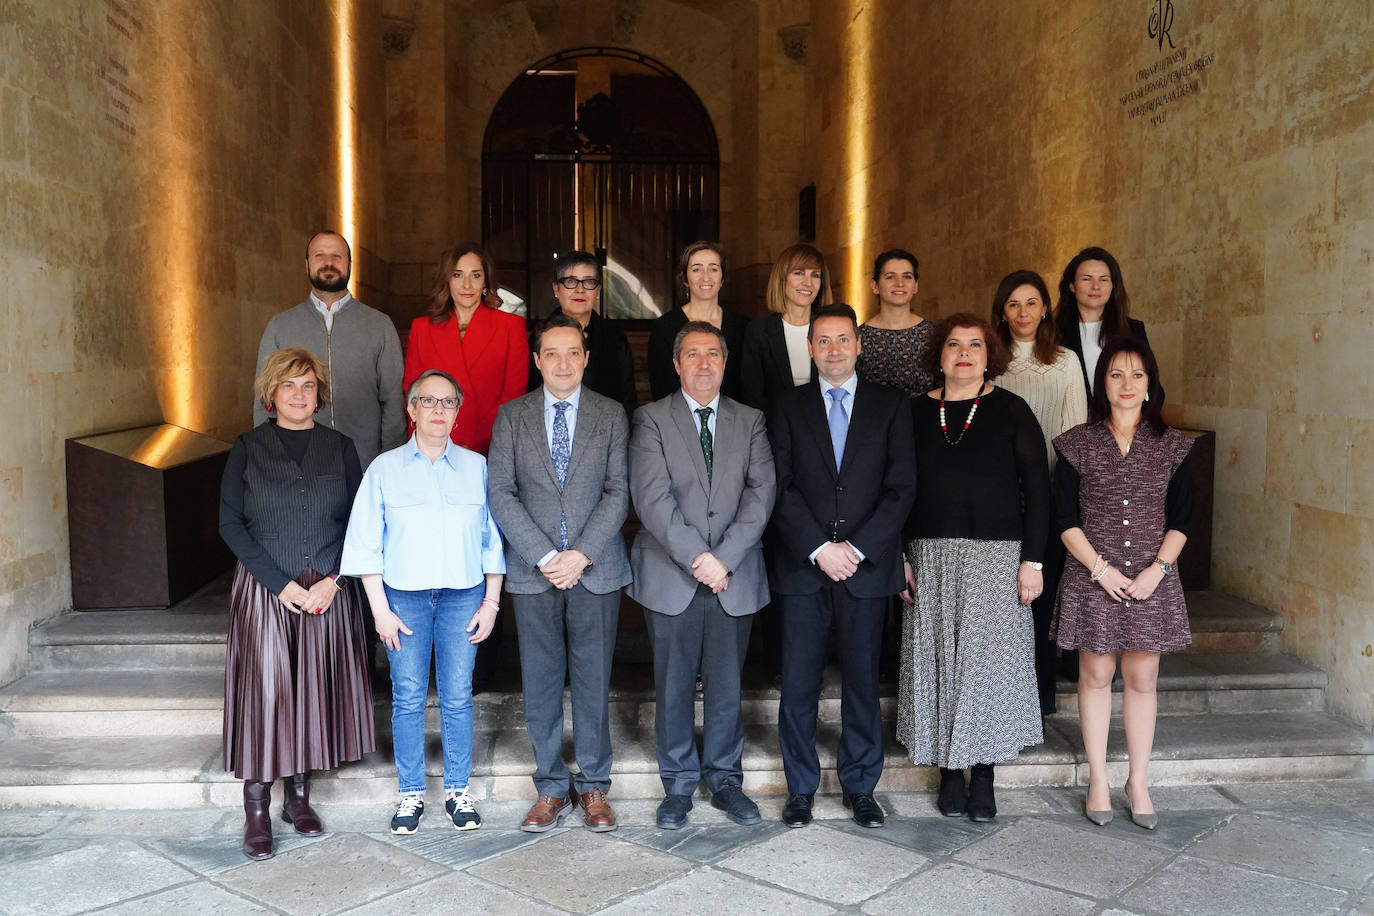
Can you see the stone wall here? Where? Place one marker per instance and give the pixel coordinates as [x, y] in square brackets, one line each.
[161, 168]
[1238, 195]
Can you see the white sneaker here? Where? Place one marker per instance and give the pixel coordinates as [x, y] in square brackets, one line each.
[463, 809]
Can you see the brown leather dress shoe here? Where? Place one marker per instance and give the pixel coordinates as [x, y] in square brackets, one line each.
[596, 811]
[545, 813]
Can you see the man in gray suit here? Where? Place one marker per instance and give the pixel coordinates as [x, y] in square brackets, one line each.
[557, 488]
[701, 476]
[358, 344]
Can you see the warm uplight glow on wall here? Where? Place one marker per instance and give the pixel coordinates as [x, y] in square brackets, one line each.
[858, 144]
[176, 229]
[345, 90]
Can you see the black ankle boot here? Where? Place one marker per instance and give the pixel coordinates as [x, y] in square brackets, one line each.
[257, 829]
[982, 805]
[296, 810]
[953, 795]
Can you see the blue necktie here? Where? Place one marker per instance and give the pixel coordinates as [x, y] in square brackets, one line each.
[562, 457]
[839, 423]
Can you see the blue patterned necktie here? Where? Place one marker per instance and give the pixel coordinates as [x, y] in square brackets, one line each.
[562, 457]
[707, 447]
[839, 423]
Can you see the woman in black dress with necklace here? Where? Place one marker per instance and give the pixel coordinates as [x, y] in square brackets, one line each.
[976, 537]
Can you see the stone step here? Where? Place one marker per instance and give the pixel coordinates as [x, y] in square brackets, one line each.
[1225, 623]
[184, 771]
[115, 702]
[192, 633]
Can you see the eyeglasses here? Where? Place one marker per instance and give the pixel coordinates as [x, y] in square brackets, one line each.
[430, 403]
[574, 282]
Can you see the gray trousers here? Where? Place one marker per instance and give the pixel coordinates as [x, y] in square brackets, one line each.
[704, 639]
[568, 634]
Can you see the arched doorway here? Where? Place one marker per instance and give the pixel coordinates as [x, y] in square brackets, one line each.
[606, 150]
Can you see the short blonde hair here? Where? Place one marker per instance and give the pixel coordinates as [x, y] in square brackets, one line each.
[807, 257]
[291, 362]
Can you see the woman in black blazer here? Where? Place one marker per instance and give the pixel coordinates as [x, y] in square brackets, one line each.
[1093, 308]
[702, 271]
[774, 357]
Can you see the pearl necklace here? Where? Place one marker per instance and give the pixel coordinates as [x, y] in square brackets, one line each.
[968, 421]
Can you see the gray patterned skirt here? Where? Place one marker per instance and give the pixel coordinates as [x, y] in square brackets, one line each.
[967, 689]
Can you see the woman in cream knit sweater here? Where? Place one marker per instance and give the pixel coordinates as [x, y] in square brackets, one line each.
[1049, 378]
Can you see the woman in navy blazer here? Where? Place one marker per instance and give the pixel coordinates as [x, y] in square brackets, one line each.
[774, 357]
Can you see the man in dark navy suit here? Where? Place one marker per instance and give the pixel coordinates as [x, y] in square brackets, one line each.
[846, 473]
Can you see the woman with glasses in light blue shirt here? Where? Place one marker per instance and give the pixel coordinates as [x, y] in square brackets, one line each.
[431, 561]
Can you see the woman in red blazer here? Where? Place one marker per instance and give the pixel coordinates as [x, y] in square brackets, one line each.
[466, 336]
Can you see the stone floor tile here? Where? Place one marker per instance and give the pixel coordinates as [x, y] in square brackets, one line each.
[442, 897]
[579, 870]
[201, 898]
[1334, 817]
[97, 874]
[1364, 908]
[21, 848]
[185, 822]
[327, 876]
[30, 823]
[1301, 794]
[1177, 830]
[1009, 802]
[930, 836]
[711, 892]
[210, 856]
[1086, 861]
[952, 888]
[1197, 887]
[701, 844]
[823, 862]
[461, 848]
[1328, 857]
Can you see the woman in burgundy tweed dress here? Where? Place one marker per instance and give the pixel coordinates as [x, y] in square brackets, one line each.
[1125, 508]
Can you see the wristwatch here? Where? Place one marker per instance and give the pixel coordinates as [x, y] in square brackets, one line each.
[1038, 567]
[1167, 567]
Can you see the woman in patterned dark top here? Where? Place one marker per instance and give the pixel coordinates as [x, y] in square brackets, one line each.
[1125, 507]
[975, 541]
[896, 341]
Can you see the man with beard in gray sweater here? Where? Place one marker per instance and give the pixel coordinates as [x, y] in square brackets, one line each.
[358, 344]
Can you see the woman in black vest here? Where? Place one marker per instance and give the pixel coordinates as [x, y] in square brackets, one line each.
[296, 690]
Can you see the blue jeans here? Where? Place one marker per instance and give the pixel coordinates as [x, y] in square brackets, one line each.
[438, 618]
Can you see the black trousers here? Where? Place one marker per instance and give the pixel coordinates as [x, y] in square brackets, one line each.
[807, 624]
[1042, 612]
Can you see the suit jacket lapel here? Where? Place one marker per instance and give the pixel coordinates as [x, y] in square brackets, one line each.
[814, 416]
[777, 351]
[689, 427]
[537, 437]
[588, 417]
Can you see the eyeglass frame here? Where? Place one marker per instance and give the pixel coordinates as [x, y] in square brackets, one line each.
[587, 283]
[446, 403]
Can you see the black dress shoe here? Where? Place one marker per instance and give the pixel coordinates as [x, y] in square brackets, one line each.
[797, 811]
[953, 800]
[867, 812]
[737, 806]
[672, 812]
[982, 804]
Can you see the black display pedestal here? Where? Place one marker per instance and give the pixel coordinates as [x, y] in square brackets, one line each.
[143, 516]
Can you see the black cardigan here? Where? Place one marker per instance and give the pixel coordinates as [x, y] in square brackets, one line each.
[765, 368]
[663, 379]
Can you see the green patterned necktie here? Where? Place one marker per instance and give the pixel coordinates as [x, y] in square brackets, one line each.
[707, 451]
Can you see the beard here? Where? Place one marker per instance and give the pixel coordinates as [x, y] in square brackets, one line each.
[336, 285]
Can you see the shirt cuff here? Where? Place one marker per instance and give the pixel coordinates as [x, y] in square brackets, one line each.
[546, 558]
[812, 555]
[857, 552]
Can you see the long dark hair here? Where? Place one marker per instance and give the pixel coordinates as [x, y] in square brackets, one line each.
[1046, 347]
[1100, 410]
[440, 305]
[1116, 313]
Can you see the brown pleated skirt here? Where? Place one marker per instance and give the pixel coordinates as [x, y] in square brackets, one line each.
[297, 696]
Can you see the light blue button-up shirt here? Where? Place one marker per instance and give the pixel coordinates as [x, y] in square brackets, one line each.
[423, 524]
